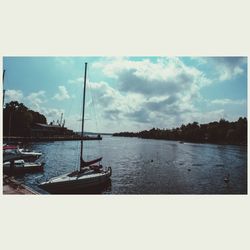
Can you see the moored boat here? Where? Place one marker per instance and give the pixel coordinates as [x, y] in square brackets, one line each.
[21, 167]
[76, 181]
[89, 174]
[15, 150]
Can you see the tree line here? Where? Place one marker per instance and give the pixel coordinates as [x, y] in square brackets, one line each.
[222, 132]
[18, 119]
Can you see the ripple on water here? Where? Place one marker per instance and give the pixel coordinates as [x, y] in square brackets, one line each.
[143, 166]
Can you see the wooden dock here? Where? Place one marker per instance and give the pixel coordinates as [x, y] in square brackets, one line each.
[12, 186]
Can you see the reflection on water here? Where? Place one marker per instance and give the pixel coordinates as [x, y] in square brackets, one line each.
[143, 166]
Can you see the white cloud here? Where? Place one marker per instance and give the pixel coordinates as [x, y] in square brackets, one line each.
[36, 99]
[77, 80]
[111, 100]
[51, 113]
[13, 95]
[164, 77]
[62, 94]
[226, 68]
[228, 101]
[145, 91]
[167, 75]
[34, 102]
[160, 94]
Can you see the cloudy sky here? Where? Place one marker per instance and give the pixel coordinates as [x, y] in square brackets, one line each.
[130, 93]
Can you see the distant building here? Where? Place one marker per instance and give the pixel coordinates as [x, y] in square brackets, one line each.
[43, 130]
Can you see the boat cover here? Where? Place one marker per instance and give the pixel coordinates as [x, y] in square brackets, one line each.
[88, 163]
[6, 147]
[14, 157]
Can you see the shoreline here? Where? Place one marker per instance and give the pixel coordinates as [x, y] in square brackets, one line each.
[186, 141]
[59, 138]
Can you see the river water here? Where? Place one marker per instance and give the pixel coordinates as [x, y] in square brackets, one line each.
[142, 166]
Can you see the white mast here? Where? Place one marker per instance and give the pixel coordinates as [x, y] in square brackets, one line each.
[83, 110]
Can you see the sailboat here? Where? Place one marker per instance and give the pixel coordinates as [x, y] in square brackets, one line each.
[90, 174]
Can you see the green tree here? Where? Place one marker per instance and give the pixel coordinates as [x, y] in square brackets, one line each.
[18, 119]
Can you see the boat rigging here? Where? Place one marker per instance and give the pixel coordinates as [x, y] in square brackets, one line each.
[88, 174]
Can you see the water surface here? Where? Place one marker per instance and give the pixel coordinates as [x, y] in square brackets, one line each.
[142, 166]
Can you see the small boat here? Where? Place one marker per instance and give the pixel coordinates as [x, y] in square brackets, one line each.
[21, 167]
[89, 174]
[15, 150]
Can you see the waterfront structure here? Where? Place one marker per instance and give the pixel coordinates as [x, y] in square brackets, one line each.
[45, 130]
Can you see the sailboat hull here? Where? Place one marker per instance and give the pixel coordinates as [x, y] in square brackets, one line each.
[79, 182]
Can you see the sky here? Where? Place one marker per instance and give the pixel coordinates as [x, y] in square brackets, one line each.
[129, 93]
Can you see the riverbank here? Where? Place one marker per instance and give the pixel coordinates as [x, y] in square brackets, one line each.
[186, 141]
[12, 186]
[221, 132]
[54, 138]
